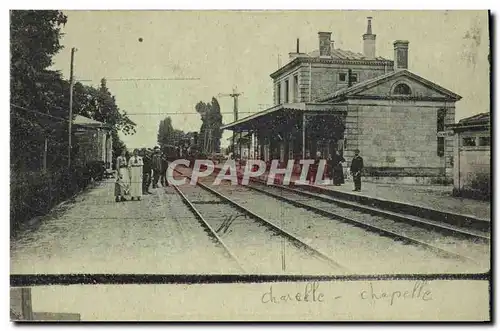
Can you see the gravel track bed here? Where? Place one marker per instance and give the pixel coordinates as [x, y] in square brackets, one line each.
[478, 251]
[359, 250]
[194, 235]
[258, 248]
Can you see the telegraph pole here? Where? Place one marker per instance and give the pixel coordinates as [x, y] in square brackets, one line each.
[70, 120]
[235, 95]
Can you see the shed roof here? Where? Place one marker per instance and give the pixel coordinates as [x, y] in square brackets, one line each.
[481, 118]
[478, 122]
[85, 121]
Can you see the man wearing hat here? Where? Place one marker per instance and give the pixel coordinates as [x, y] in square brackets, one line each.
[356, 167]
[146, 171]
[156, 166]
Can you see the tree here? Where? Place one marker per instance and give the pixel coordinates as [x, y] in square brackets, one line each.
[34, 40]
[210, 131]
[165, 131]
[167, 135]
[100, 105]
[215, 121]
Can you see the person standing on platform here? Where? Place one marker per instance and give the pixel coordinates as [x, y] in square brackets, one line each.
[337, 170]
[146, 172]
[356, 168]
[163, 172]
[156, 165]
[136, 164]
[314, 168]
[122, 184]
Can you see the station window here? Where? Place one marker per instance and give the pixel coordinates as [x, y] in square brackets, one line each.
[342, 77]
[402, 89]
[287, 91]
[278, 94]
[354, 78]
[440, 146]
[469, 141]
[440, 127]
[484, 141]
[296, 88]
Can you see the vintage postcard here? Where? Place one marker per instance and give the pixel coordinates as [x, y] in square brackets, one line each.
[250, 165]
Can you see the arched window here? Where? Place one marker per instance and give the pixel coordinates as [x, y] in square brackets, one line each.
[402, 89]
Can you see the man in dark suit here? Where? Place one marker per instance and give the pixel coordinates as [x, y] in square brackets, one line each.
[356, 167]
[146, 172]
[156, 165]
[164, 167]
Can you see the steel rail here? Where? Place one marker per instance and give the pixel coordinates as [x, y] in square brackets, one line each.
[208, 228]
[364, 225]
[389, 214]
[299, 242]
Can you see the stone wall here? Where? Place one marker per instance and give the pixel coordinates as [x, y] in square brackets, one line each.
[397, 138]
[417, 89]
[323, 79]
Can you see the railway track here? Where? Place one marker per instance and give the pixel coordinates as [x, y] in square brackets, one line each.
[257, 244]
[400, 227]
[461, 232]
[209, 230]
[318, 218]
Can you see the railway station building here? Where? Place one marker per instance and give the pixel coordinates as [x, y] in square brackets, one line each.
[472, 165]
[94, 142]
[338, 99]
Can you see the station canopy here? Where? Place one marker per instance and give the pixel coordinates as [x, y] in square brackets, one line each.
[276, 115]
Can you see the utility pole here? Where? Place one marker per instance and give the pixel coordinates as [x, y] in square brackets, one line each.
[235, 95]
[45, 148]
[70, 120]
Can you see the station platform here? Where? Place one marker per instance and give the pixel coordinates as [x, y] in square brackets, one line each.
[432, 201]
[426, 196]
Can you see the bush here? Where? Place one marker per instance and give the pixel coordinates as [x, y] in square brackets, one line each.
[97, 170]
[34, 194]
[482, 184]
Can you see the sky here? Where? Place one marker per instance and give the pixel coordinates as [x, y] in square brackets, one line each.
[227, 49]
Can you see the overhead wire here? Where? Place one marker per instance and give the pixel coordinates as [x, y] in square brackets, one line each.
[136, 79]
[39, 112]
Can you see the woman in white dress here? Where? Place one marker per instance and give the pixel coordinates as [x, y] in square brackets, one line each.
[135, 164]
[122, 185]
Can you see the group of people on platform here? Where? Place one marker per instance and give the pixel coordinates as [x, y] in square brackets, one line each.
[336, 171]
[136, 173]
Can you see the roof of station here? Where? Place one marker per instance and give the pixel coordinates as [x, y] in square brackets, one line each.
[340, 54]
[288, 107]
[337, 56]
[366, 84]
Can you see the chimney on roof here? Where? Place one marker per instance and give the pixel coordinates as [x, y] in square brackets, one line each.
[295, 55]
[401, 55]
[369, 41]
[325, 44]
